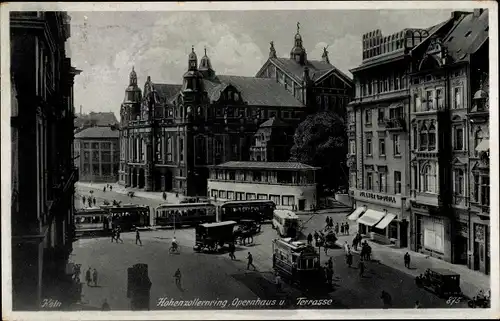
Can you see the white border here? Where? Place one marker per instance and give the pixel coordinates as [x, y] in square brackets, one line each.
[254, 314]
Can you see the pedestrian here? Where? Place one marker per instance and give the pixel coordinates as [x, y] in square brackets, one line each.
[105, 306]
[104, 189]
[94, 201]
[164, 195]
[113, 236]
[250, 262]
[347, 228]
[349, 258]
[177, 277]
[386, 299]
[137, 237]
[407, 260]
[232, 249]
[94, 277]
[417, 305]
[88, 277]
[110, 187]
[277, 281]
[368, 252]
[309, 238]
[361, 267]
[342, 228]
[316, 236]
[118, 238]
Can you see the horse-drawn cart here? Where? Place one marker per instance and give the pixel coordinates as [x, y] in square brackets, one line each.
[211, 236]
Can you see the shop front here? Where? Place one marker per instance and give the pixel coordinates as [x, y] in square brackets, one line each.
[380, 217]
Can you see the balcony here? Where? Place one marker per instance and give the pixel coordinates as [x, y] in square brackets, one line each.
[395, 124]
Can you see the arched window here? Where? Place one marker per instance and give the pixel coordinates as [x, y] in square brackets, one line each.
[428, 179]
[478, 137]
[423, 138]
[432, 137]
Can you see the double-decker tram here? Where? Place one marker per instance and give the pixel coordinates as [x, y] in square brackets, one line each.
[297, 262]
[91, 221]
[184, 214]
[128, 216]
[256, 210]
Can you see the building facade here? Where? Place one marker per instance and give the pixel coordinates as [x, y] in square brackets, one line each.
[171, 134]
[448, 123]
[378, 135]
[426, 163]
[97, 154]
[43, 174]
[289, 185]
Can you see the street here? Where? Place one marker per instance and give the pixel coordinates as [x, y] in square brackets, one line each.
[217, 277]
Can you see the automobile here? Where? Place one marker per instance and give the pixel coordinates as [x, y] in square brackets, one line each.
[443, 282]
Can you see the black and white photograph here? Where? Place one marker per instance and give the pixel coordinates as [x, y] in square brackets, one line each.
[265, 159]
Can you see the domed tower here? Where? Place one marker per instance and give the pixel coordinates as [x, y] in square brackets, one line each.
[298, 53]
[206, 67]
[132, 101]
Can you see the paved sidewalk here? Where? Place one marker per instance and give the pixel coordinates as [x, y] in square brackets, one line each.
[171, 197]
[471, 282]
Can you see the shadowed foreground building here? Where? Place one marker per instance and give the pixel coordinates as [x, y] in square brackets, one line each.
[171, 134]
[43, 175]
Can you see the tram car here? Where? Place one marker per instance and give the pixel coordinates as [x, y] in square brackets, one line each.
[256, 210]
[128, 216]
[297, 262]
[92, 221]
[190, 214]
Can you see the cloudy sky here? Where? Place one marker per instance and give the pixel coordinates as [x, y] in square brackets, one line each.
[105, 45]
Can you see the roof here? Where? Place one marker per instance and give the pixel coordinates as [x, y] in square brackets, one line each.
[97, 119]
[98, 132]
[317, 68]
[468, 36]
[265, 165]
[225, 223]
[254, 91]
[167, 91]
[274, 122]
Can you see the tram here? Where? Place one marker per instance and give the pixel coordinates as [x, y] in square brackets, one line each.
[256, 210]
[92, 221]
[128, 216]
[297, 262]
[191, 214]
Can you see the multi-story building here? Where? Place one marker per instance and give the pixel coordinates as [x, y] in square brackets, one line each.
[378, 135]
[43, 174]
[289, 185]
[170, 134]
[97, 154]
[449, 120]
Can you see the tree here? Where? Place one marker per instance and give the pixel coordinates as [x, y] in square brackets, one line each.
[320, 140]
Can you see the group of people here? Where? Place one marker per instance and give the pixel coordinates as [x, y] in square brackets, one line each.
[90, 200]
[115, 235]
[366, 251]
[91, 276]
[109, 186]
[356, 241]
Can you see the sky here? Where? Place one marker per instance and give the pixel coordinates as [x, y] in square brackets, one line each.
[106, 45]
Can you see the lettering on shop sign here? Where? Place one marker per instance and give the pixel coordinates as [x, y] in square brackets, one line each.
[378, 197]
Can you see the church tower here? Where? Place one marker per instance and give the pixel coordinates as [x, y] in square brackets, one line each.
[298, 53]
[130, 108]
[206, 67]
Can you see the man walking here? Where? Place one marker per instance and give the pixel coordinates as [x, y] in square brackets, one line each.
[250, 262]
[88, 277]
[232, 249]
[113, 236]
[407, 260]
[164, 196]
[118, 238]
[94, 277]
[347, 228]
[361, 267]
[137, 237]
[177, 277]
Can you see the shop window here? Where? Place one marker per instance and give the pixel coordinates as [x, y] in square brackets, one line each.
[288, 200]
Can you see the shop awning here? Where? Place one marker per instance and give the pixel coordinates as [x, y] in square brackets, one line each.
[371, 217]
[357, 212]
[386, 221]
[483, 146]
